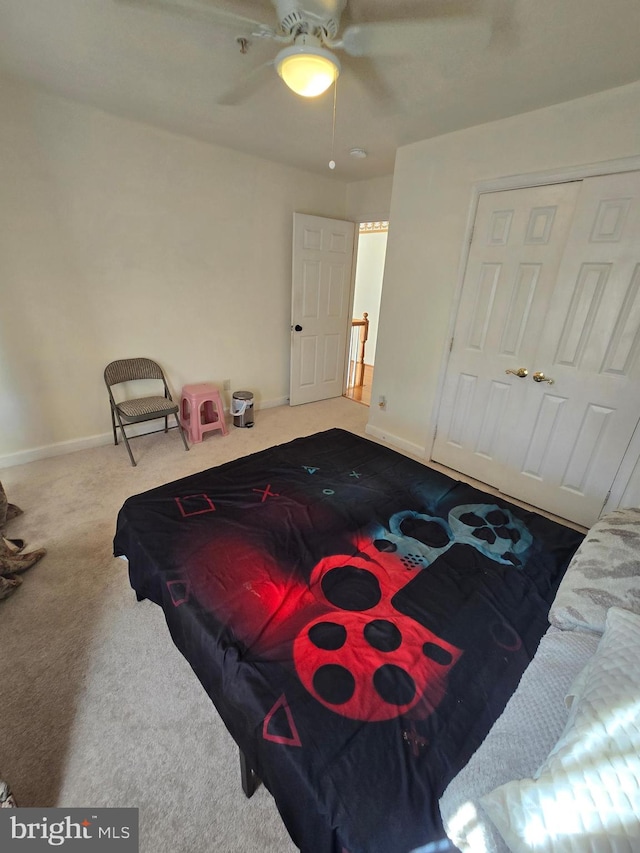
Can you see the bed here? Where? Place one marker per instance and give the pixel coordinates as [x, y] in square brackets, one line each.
[358, 619]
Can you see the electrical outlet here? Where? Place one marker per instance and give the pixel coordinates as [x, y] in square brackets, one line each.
[382, 401]
[226, 385]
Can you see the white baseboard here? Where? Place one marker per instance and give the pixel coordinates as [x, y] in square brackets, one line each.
[271, 404]
[61, 448]
[395, 441]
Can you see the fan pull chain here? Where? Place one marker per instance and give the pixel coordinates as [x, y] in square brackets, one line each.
[332, 162]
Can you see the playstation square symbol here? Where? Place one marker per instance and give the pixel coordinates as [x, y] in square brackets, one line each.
[195, 505]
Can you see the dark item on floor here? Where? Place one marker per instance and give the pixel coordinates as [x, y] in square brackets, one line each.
[7, 510]
[12, 561]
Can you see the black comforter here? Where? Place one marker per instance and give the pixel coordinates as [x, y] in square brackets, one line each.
[358, 620]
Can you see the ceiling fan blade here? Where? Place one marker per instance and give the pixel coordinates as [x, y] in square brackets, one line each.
[420, 36]
[247, 85]
[199, 10]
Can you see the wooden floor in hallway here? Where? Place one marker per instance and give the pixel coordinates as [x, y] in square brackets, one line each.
[362, 393]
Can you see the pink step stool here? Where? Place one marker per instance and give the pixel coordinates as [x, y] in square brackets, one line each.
[201, 410]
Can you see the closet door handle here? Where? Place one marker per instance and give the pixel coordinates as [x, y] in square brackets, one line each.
[540, 377]
[521, 372]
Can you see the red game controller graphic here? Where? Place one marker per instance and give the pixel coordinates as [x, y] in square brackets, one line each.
[363, 659]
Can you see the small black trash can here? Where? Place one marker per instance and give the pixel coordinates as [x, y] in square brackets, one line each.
[242, 408]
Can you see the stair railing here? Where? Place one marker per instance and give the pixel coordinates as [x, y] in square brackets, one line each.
[357, 343]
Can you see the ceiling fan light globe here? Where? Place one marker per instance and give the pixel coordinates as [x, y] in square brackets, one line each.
[307, 71]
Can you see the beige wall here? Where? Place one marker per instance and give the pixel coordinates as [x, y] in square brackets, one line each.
[117, 239]
[368, 285]
[369, 200]
[430, 205]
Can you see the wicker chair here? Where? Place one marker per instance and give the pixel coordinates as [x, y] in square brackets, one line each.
[138, 409]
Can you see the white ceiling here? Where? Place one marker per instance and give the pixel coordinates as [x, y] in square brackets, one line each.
[470, 61]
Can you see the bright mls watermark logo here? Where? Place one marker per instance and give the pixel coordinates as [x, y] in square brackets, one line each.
[79, 830]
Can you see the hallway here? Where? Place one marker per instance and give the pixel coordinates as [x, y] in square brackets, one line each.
[362, 393]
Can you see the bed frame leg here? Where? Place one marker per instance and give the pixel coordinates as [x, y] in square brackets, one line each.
[249, 779]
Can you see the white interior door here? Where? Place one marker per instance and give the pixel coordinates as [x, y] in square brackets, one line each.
[518, 241]
[574, 433]
[573, 315]
[320, 303]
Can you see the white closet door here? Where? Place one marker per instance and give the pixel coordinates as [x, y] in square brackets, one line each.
[572, 434]
[552, 286]
[518, 240]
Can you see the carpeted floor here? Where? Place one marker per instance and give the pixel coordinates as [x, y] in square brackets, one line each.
[98, 707]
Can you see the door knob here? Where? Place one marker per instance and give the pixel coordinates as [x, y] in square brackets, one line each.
[298, 327]
[521, 372]
[540, 377]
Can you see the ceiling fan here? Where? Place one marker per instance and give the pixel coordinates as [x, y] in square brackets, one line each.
[309, 32]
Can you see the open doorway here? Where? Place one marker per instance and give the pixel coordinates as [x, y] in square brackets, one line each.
[371, 251]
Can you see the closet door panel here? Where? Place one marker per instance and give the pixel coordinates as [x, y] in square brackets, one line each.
[518, 241]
